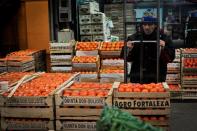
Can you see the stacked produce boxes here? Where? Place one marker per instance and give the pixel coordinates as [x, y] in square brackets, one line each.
[189, 73]
[150, 102]
[83, 61]
[112, 66]
[93, 26]
[24, 60]
[173, 77]
[61, 55]
[79, 105]
[115, 13]
[3, 65]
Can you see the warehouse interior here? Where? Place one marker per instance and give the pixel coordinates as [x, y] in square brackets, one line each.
[57, 33]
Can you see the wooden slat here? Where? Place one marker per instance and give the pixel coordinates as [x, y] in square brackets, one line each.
[76, 112]
[27, 125]
[79, 118]
[156, 112]
[142, 95]
[15, 112]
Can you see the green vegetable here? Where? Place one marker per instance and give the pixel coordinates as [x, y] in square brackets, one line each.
[113, 119]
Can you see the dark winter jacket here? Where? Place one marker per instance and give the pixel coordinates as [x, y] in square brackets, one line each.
[167, 55]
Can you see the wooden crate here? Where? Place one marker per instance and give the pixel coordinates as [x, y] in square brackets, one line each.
[85, 52]
[139, 103]
[80, 106]
[86, 66]
[32, 106]
[20, 69]
[110, 54]
[189, 94]
[28, 124]
[3, 62]
[3, 69]
[56, 48]
[111, 77]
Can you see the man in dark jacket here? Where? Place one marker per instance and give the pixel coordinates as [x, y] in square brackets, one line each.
[149, 53]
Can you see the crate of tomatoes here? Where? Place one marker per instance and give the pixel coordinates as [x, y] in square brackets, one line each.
[143, 99]
[111, 49]
[79, 104]
[86, 63]
[32, 98]
[87, 48]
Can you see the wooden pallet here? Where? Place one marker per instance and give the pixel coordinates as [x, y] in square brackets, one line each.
[41, 125]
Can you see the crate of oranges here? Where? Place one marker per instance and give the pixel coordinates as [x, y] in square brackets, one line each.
[85, 63]
[87, 48]
[111, 49]
[143, 99]
[81, 103]
[34, 98]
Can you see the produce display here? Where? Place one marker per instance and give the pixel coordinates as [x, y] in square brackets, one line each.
[26, 52]
[21, 59]
[174, 87]
[112, 46]
[84, 59]
[141, 87]
[190, 62]
[87, 46]
[189, 50]
[43, 85]
[111, 71]
[13, 77]
[113, 119]
[88, 89]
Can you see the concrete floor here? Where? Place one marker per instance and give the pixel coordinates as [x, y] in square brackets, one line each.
[183, 116]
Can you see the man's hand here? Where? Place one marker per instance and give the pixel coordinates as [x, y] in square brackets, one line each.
[130, 44]
[162, 43]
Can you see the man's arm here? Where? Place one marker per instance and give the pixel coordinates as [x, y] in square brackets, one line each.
[167, 54]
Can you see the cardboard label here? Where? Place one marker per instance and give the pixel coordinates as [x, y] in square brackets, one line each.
[83, 101]
[26, 101]
[128, 104]
[79, 125]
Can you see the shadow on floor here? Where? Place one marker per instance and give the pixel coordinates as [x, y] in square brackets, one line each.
[183, 116]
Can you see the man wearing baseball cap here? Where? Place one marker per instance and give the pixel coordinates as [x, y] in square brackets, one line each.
[148, 50]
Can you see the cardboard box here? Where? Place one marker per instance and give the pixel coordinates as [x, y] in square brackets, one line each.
[85, 19]
[89, 8]
[65, 35]
[85, 29]
[86, 38]
[99, 28]
[98, 18]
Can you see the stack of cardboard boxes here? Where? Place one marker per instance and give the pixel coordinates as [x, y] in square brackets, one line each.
[93, 25]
